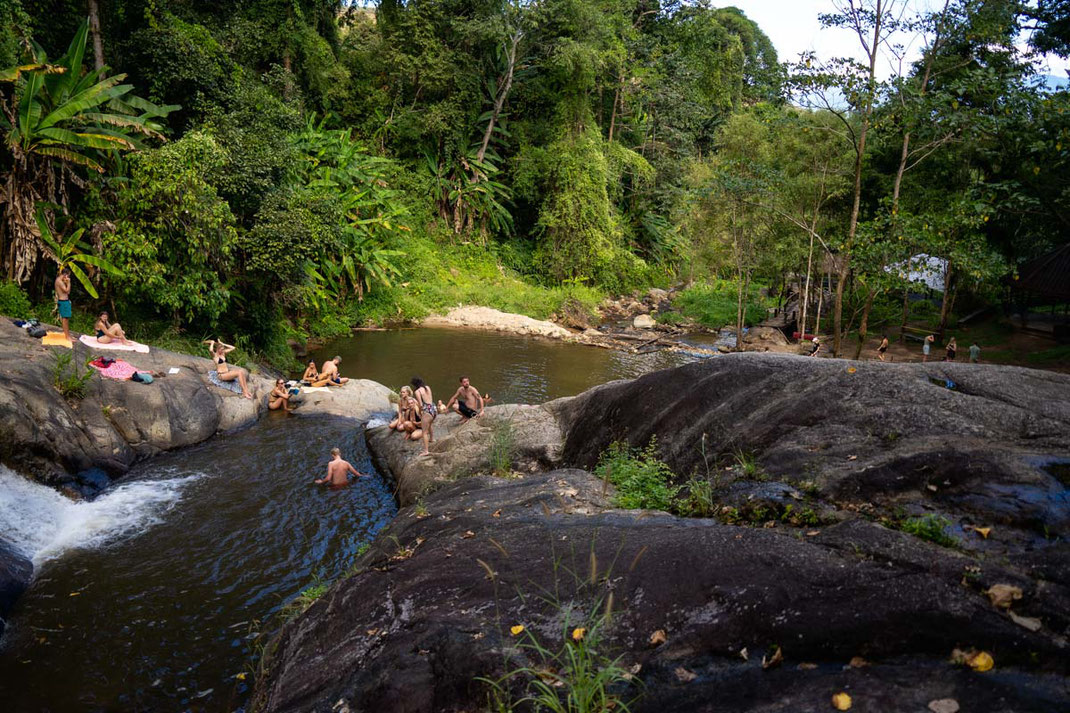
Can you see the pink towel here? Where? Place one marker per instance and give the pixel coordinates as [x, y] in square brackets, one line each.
[118, 370]
[118, 346]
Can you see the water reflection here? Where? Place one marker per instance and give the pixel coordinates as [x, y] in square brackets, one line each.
[513, 369]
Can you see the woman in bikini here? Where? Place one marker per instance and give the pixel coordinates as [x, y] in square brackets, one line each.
[279, 397]
[108, 333]
[311, 374]
[227, 372]
[406, 419]
[428, 412]
[883, 347]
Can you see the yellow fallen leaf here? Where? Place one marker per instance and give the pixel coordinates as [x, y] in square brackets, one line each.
[982, 531]
[240, 676]
[657, 638]
[841, 701]
[516, 630]
[851, 370]
[76, 594]
[981, 661]
[1003, 595]
[496, 513]
[578, 633]
[858, 662]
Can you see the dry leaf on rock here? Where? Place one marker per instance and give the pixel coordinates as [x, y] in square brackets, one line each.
[1002, 595]
[684, 675]
[1026, 622]
[944, 705]
[841, 701]
[982, 531]
[467, 534]
[657, 638]
[807, 666]
[496, 513]
[775, 660]
[858, 662]
[852, 457]
[744, 654]
[980, 661]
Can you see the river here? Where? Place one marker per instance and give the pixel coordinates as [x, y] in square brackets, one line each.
[151, 597]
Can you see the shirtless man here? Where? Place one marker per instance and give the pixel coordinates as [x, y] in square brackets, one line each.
[464, 399]
[329, 375]
[63, 300]
[338, 471]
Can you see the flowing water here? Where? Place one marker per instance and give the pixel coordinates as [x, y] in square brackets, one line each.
[150, 597]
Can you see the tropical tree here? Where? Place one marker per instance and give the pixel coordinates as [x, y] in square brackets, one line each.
[59, 119]
[72, 254]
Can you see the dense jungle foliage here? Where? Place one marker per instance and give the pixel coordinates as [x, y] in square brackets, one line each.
[284, 169]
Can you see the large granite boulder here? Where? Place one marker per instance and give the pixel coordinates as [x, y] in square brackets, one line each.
[15, 573]
[695, 607]
[118, 422]
[527, 437]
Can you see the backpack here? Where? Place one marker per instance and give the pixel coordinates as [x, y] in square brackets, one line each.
[142, 377]
[37, 331]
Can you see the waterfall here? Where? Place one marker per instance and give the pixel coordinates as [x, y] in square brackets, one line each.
[42, 524]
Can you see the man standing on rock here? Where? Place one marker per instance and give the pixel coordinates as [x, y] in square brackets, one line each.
[926, 346]
[338, 471]
[63, 300]
[463, 401]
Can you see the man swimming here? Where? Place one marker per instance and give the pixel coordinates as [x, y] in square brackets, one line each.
[338, 471]
[464, 399]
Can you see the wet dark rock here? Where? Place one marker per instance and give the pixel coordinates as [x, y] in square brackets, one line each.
[15, 573]
[412, 631]
[91, 481]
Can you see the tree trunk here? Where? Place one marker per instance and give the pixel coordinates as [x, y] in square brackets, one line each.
[499, 101]
[820, 301]
[906, 315]
[94, 31]
[806, 291]
[944, 306]
[863, 328]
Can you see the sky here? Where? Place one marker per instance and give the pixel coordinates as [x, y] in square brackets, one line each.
[793, 27]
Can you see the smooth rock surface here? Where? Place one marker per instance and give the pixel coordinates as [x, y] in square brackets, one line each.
[431, 608]
[495, 320]
[15, 573]
[643, 321]
[532, 439]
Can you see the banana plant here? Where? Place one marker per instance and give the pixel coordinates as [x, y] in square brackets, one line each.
[60, 119]
[69, 253]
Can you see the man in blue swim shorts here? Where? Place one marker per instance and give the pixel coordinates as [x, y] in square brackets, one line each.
[63, 300]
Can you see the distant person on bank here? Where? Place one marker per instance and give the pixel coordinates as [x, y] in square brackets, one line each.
[329, 375]
[952, 348]
[465, 401]
[815, 349]
[975, 354]
[226, 371]
[926, 346]
[108, 332]
[883, 347]
[338, 471]
[63, 300]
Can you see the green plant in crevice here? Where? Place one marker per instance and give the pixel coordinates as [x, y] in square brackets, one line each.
[931, 527]
[502, 447]
[698, 500]
[643, 481]
[70, 379]
[748, 464]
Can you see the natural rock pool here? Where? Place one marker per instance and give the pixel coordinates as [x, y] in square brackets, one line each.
[150, 597]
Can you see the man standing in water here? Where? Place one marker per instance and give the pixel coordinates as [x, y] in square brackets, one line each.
[338, 471]
[63, 300]
[463, 401]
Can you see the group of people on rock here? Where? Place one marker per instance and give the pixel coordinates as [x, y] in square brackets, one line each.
[417, 409]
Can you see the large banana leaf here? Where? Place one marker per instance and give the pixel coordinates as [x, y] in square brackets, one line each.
[89, 98]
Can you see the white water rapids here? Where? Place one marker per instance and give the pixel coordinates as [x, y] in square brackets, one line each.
[42, 524]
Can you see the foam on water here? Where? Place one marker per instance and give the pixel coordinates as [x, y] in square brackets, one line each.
[42, 524]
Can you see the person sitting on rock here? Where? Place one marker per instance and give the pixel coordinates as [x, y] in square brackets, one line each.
[329, 375]
[408, 413]
[107, 332]
[279, 397]
[225, 371]
[464, 400]
[311, 374]
[816, 348]
[338, 471]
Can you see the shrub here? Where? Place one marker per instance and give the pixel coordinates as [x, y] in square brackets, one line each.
[68, 378]
[641, 479]
[13, 301]
[931, 527]
[698, 499]
[502, 442]
[714, 304]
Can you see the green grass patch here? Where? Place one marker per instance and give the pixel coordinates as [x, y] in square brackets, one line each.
[713, 304]
[643, 481]
[931, 527]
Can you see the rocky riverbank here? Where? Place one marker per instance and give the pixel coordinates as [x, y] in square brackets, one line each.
[810, 578]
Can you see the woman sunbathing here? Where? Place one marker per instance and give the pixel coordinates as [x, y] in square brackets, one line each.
[227, 372]
[404, 413]
[108, 333]
[279, 397]
[311, 374]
